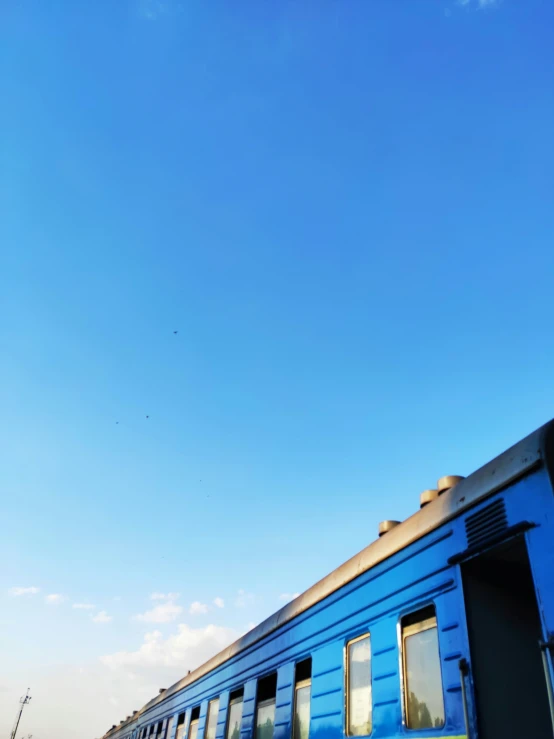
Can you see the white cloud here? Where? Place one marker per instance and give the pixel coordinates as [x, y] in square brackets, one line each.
[288, 596]
[84, 606]
[164, 596]
[187, 649]
[197, 608]
[243, 599]
[219, 603]
[162, 614]
[16, 592]
[54, 599]
[101, 618]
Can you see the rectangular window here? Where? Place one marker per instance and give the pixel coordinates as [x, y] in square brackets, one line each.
[302, 699]
[265, 706]
[194, 719]
[358, 687]
[211, 721]
[423, 696]
[234, 719]
[180, 726]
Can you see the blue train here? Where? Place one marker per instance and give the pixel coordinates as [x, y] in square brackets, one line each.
[442, 627]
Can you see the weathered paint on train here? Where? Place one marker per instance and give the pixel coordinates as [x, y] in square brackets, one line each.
[416, 564]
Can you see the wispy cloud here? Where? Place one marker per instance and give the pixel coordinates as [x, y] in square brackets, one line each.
[54, 599]
[163, 613]
[197, 608]
[186, 649]
[84, 606]
[243, 599]
[101, 618]
[17, 592]
[219, 603]
[288, 596]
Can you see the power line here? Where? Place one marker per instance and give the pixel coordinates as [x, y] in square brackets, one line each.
[24, 700]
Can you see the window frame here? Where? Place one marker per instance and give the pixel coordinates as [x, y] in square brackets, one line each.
[406, 631]
[233, 701]
[298, 686]
[193, 721]
[212, 700]
[350, 641]
[182, 723]
[265, 702]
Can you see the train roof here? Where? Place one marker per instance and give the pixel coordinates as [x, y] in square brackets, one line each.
[519, 460]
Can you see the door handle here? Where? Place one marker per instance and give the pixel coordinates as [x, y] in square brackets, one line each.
[546, 647]
[463, 664]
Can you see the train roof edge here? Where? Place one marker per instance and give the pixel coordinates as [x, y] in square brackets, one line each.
[515, 462]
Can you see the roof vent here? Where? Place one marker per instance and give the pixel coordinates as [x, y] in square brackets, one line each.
[447, 482]
[386, 526]
[427, 496]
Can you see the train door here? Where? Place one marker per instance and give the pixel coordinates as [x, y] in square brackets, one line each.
[504, 630]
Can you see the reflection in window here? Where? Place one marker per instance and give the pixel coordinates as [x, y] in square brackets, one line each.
[424, 702]
[302, 697]
[358, 686]
[265, 709]
[211, 723]
[235, 715]
[180, 726]
[194, 718]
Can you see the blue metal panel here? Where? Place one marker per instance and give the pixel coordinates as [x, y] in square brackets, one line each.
[327, 708]
[173, 731]
[385, 677]
[284, 701]
[249, 710]
[222, 716]
[187, 723]
[202, 718]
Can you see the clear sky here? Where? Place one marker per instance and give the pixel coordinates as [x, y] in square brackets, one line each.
[345, 210]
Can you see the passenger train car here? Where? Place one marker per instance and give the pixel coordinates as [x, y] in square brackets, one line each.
[442, 627]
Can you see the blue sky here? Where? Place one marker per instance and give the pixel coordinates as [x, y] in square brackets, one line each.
[345, 210]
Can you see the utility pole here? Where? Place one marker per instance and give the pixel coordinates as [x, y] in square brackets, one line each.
[24, 700]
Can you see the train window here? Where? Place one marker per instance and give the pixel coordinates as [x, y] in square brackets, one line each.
[423, 697]
[302, 698]
[234, 718]
[211, 722]
[265, 709]
[194, 718]
[358, 687]
[180, 726]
